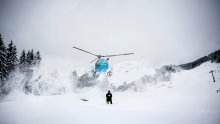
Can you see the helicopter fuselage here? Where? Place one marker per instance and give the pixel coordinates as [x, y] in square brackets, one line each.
[101, 65]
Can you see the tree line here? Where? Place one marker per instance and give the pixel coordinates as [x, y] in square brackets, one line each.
[10, 61]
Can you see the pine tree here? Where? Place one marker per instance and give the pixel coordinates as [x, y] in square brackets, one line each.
[11, 56]
[37, 58]
[30, 58]
[1, 40]
[3, 62]
[22, 60]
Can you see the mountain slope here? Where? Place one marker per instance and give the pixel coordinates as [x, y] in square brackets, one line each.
[192, 98]
[213, 57]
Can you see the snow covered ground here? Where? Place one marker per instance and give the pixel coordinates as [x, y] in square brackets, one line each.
[190, 97]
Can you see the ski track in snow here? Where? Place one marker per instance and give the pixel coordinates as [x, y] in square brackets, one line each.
[191, 99]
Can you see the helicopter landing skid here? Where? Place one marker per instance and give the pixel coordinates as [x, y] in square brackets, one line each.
[108, 74]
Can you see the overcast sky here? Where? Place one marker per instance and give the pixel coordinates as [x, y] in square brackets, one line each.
[157, 31]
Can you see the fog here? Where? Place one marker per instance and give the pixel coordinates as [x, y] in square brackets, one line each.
[157, 31]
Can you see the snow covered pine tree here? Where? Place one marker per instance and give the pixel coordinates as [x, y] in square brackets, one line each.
[37, 58]
[3, 62]
[12, 60]
[22, 60]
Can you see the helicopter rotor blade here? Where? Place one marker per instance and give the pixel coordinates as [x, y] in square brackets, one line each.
[85, 51]
[94, 60]
[117, 55]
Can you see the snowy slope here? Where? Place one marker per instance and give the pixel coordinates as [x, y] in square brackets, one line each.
[188, 98]
[129, 71]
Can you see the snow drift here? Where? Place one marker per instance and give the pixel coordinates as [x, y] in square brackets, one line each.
[129, 75]
[45, 80]
[185, 97]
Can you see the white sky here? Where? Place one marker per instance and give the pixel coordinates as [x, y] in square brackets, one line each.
[157, 31]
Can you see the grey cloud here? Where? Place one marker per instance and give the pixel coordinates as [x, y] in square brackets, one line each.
[156, 31]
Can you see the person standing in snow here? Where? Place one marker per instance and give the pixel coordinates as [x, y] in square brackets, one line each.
[109, 97]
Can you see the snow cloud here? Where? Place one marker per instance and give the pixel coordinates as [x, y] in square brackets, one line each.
[155, 30]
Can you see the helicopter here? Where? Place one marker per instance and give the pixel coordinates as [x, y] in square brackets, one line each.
[101, 64]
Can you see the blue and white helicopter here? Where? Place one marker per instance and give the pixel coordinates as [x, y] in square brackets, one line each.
[101, 64]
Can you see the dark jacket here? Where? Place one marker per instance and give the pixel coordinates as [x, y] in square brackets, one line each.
[108, 96]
